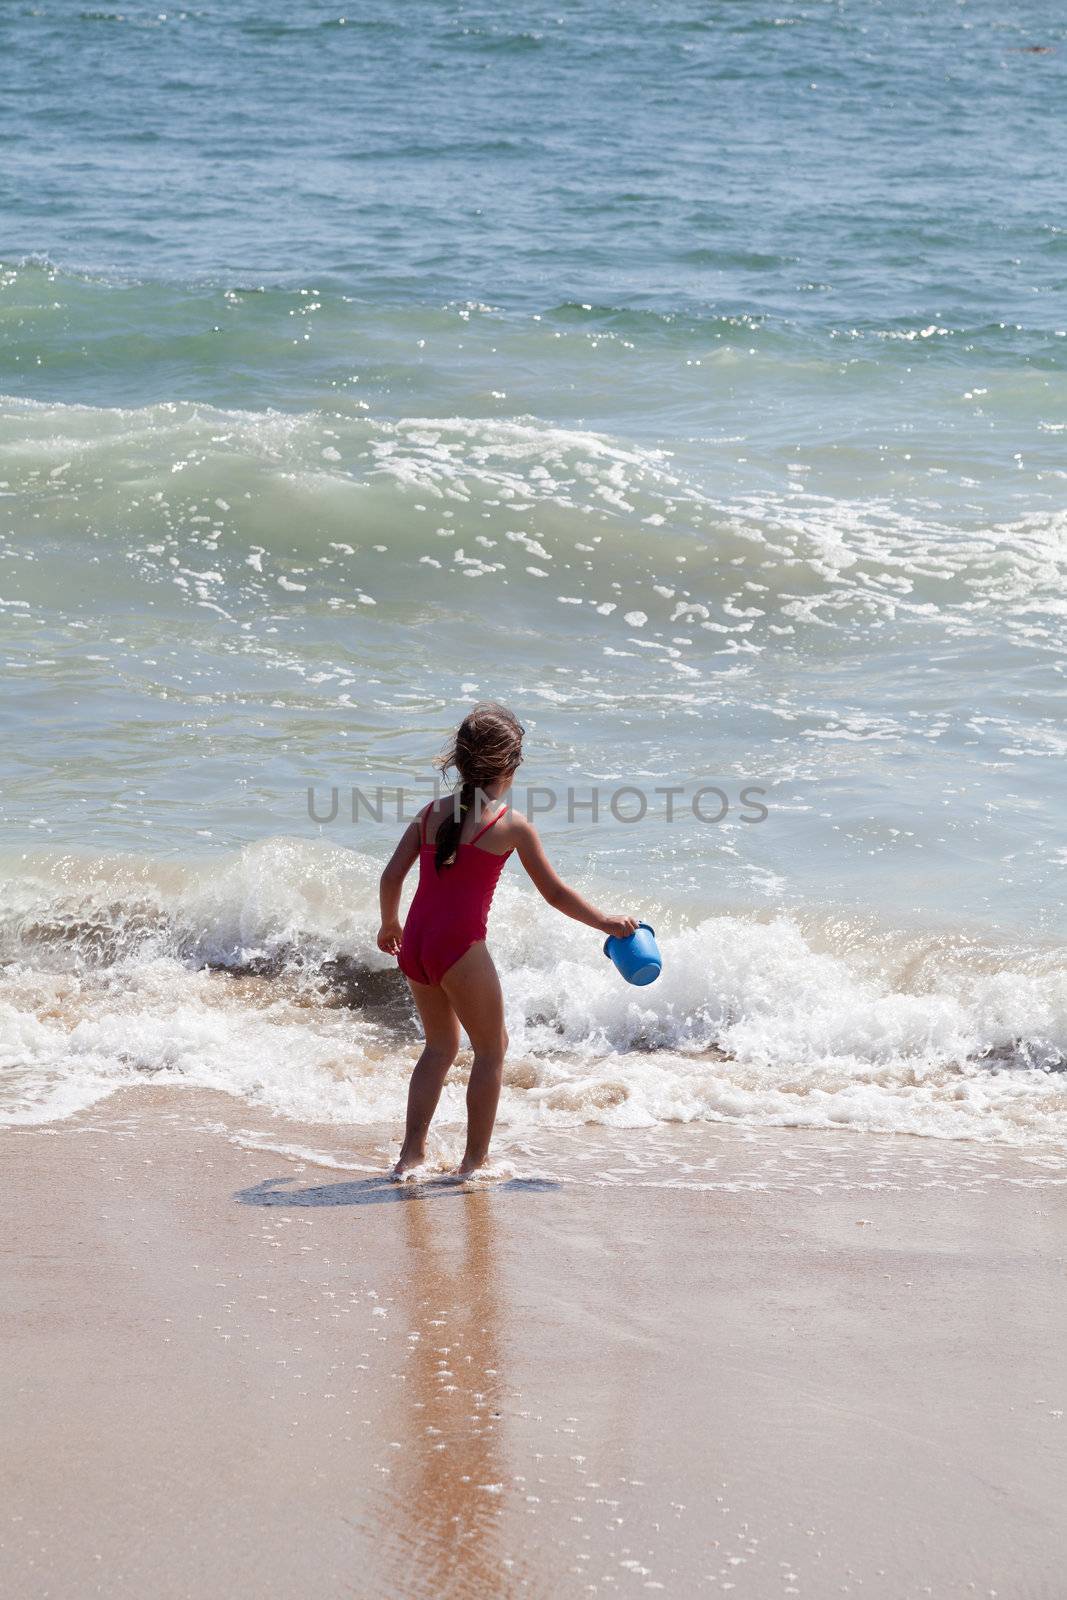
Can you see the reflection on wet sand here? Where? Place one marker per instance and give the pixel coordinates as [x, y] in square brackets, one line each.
[434, 1382]
[450, 1483]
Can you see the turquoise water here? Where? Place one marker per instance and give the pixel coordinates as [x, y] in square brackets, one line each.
[692, 378]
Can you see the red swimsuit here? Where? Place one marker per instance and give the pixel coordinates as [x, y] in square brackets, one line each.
[450, 908]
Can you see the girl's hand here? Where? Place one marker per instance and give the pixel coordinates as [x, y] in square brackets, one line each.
[389, 935]
[619, 927]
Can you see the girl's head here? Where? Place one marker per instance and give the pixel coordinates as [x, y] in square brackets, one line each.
[487, 748]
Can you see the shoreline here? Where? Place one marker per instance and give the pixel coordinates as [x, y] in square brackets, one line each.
[229, 1372]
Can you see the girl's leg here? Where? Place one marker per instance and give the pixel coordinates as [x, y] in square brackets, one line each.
[441, 1027]
[473, 988]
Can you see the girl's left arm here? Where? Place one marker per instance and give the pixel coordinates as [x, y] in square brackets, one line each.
[560, 895]
[390, 886]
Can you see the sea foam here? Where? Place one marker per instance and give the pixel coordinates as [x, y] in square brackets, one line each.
[258, 976]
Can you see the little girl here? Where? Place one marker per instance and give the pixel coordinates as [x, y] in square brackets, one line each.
[441, 948]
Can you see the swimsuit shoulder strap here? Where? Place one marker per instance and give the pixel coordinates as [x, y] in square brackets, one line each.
[488, 825]
[425, 820]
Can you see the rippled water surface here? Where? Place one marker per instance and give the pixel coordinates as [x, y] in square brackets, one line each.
[692, 378]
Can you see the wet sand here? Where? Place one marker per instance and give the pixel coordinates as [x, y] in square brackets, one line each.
[226, 1374]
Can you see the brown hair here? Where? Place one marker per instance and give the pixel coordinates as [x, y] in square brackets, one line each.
[487, 745]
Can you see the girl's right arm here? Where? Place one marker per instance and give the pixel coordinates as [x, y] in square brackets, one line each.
[390, 885]
[560, 896]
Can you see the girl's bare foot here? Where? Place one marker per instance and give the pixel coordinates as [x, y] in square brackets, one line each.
[468, 1166]
[407, 1162]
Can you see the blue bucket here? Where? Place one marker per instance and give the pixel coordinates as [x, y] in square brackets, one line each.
[637, 957]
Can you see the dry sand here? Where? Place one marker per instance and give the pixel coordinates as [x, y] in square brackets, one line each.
[226, 1375]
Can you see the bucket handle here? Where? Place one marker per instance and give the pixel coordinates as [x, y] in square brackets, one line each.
[611, 936]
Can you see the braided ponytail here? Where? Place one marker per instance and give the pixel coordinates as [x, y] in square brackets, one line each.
[487, 747]
[451, 826]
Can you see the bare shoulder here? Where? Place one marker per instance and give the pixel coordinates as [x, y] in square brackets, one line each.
[432, 815]
[513, 830]
[522, 837]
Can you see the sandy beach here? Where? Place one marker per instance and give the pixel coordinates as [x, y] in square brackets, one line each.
[649, 419]
[226, 1372]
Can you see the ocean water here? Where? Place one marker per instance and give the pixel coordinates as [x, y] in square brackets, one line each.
[692, 378]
